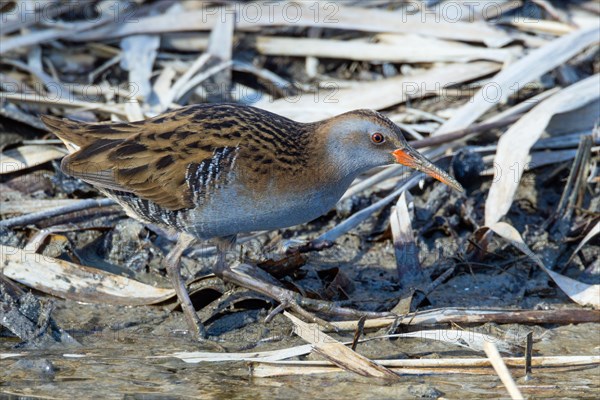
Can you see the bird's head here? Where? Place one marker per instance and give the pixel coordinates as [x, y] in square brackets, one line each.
[362, 139]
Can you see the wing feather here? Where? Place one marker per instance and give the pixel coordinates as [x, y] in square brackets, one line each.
[177, 159]
[148, 158]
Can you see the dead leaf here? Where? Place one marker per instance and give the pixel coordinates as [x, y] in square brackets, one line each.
[28, 156]
[319, 14]
[514, 145]
[405, 248]
[76, 282]
[339, 354]
[518, 74]
[332, 100]
[138, 55]
[273, 355]
[408, 52]
[579, 292]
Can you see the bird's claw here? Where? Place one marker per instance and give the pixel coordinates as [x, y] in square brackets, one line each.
[250, 277]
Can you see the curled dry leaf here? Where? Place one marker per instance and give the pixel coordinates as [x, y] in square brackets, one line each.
[76, 282]
[336, 283]
[579, 292]
[514, 145]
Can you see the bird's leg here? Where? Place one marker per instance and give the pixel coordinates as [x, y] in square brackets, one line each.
[172, 263]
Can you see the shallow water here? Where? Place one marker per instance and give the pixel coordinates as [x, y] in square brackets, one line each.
[113, 364]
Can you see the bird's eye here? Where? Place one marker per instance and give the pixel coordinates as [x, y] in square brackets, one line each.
[377, 138]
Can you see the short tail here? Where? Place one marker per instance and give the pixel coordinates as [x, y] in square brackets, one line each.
[67, 130]
[76, 134]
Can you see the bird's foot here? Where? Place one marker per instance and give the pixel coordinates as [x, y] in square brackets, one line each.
[258, 280]
[255, 279]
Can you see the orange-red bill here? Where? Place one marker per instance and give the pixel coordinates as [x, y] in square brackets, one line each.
[413, 159]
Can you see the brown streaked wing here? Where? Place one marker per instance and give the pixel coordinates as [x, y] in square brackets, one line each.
[156, 160]
[199, 142]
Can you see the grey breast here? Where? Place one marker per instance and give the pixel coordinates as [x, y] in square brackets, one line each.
[232, 211]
